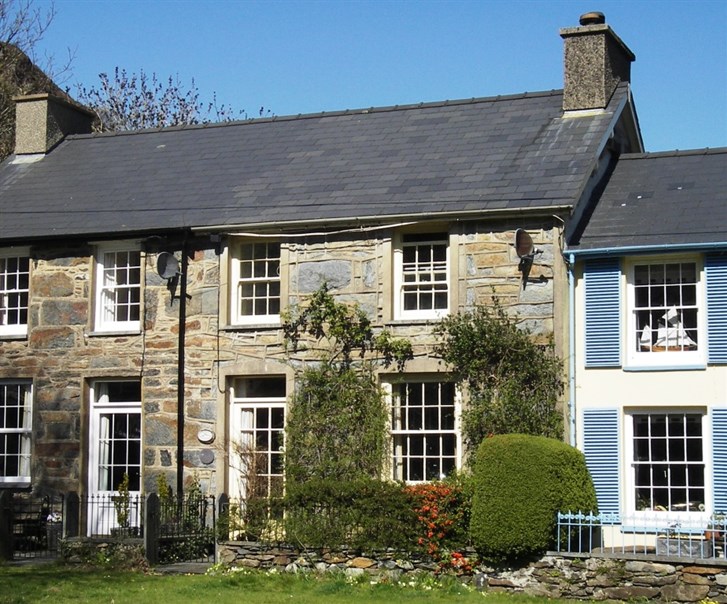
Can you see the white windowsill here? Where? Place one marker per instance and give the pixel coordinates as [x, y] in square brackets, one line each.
[244, 326]
[666, 367]
[14, 336]
[98, 334]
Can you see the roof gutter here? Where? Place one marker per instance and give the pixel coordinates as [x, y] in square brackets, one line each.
[429, 216]
[644, 249]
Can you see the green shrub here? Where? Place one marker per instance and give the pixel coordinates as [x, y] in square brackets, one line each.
[336, 427]
[520, 483]
[362, 514]
[513, 382]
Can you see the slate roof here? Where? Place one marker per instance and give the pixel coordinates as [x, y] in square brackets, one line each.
[499, 153]
[677, 198]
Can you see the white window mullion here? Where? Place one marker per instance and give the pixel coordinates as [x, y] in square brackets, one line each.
[257, 408]
[256, 284]
[15, 432]
[118, 289]
[14, 294]
[422, 270]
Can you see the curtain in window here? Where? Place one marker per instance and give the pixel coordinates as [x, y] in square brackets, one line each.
[104, 452]
[25, 424]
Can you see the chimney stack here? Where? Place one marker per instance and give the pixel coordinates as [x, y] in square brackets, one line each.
[596, 61]
[44, 120]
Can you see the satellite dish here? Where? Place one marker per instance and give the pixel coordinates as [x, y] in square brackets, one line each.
[524, 244]
[526, 250]
[167, 265]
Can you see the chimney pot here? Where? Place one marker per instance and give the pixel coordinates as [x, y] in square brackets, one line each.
[592, 18]
[596, 61]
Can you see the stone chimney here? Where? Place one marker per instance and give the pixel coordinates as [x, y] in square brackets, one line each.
[44, 120]
[596, 60]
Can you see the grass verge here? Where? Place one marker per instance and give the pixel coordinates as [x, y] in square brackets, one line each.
[58, 584]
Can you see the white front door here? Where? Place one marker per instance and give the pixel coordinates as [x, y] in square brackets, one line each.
[115, 457]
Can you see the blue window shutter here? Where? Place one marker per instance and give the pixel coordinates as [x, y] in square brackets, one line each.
[715, 268]
[603, 456]
[603, 317]
[719, 459]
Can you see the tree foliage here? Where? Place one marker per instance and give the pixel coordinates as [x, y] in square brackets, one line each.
[514, 384]
[23, 24]
[131, 101]
[336, 427]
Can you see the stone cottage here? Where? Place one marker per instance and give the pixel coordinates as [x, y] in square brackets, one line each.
[142, 274]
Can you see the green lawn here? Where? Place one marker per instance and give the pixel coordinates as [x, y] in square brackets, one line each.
[57, 584]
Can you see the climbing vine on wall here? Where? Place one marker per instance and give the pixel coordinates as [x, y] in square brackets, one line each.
[337, 424]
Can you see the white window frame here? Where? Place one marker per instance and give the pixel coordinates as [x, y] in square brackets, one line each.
[14, 290]
[399, 460]
[698, 516]
[106, 290]
[664, 359]
[23, 430]
[238, 315]
[243, 431]
[101, 513]
[402, 269]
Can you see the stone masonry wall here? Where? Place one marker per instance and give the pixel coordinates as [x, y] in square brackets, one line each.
[62, 354]
[552, 576]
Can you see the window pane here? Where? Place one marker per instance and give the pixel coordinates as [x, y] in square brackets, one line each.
[665, 306]
[258, 404]
[414, 418]
[424, 272]
[670, 469]
[426, 445]
[259, 279]
[416, 470]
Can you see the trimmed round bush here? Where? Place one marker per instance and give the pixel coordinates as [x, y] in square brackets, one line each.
[520, 483]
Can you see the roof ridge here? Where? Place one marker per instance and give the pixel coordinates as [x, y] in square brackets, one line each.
[318, 115]
[674, 153]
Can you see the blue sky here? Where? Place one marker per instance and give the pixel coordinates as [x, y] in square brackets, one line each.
[308, 56]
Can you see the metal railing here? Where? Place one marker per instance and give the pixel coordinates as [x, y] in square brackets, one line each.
[186, 529]
[658, 534]
[112, 515]
[36, 525]
[256, 520]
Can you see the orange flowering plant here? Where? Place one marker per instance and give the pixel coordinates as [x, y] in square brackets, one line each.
[442, 509]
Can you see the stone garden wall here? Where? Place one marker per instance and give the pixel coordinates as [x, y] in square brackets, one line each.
[556, 576]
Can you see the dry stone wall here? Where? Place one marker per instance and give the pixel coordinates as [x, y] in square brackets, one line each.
[552, 576]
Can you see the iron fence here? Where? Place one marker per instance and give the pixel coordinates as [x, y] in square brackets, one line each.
[186, 529]
[36, 525]
[108, 514]
[658, 534]
[258, 519]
